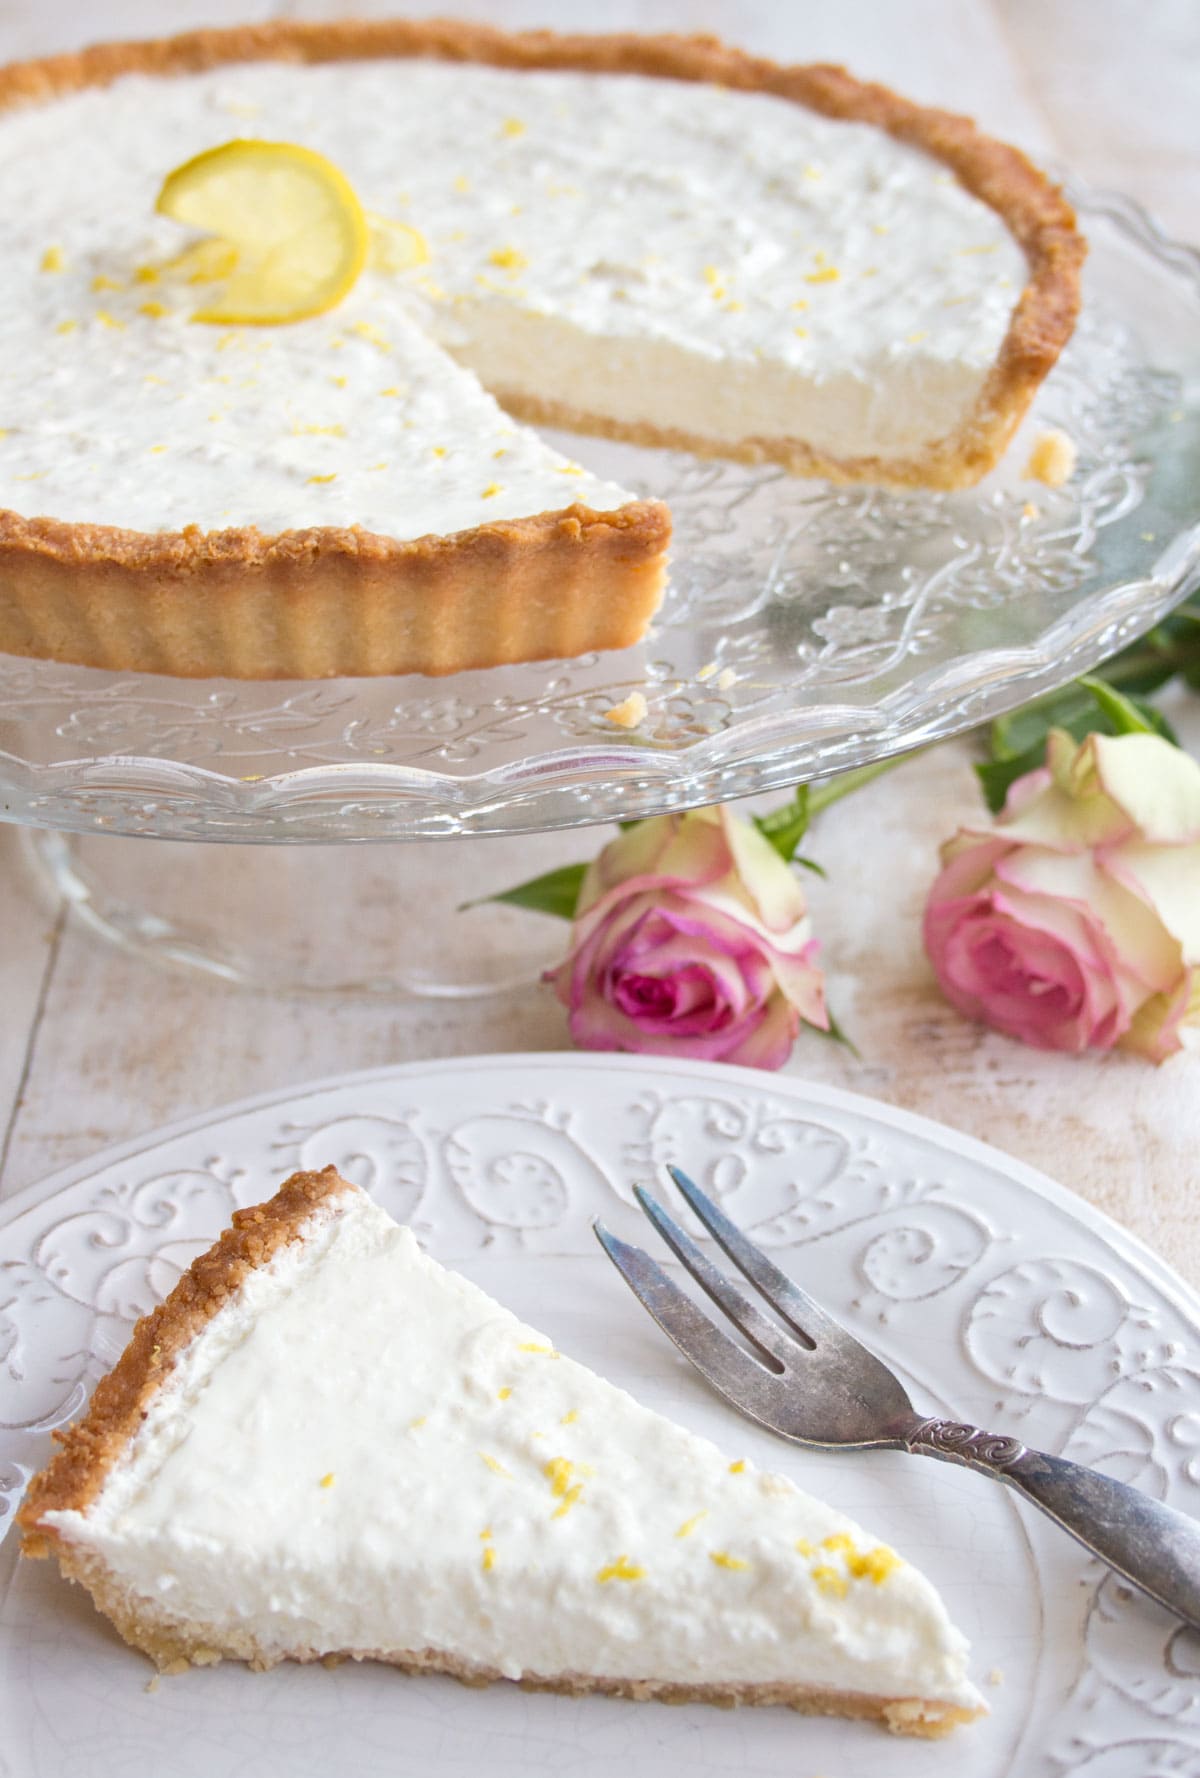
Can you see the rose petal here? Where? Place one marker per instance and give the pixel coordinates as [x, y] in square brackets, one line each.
[1135, 934]
[1072, 812]
[1168, 879]
[667, 849]
[1024, 790]
[1029, 981]
[1021, 982]
[1108, 979]
[772, 887]
[634, 853]
[968, 861]
[1155, 784]
[802, 983]
[768, 1043]
[1156, 1030]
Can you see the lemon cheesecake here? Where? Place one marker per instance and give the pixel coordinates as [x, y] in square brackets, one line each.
[661, 240]
[325, 1444]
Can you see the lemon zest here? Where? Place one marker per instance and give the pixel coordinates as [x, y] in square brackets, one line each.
[830, 1581]
[571, 1498]
[621, 1569]
[874, 1565]
[559, 1471]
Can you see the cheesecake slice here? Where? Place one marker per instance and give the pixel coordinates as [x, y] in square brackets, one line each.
[323, 1443]
[657, 239]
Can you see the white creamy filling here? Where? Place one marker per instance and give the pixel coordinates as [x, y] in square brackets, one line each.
[723, 263]
[362, 1451]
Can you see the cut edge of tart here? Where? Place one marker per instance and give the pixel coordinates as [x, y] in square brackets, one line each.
[267, 1600]
[328, 601]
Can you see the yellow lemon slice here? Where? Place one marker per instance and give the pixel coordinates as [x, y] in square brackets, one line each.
[396, 246]
[293, 234]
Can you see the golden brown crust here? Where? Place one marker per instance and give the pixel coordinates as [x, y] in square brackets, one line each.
[74, 1476]
[327, 602]
[92, 595]
[174, 1646]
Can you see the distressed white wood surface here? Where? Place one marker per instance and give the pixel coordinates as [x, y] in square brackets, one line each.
[96, 1047]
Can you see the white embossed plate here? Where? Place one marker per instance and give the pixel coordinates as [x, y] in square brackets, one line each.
[996, 1294]
[807, 629]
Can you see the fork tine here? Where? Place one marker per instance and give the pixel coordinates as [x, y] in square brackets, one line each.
[786, 1298]
[773, 1341]
[727, 1367]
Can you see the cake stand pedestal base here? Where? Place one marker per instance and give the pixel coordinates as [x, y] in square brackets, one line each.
[343, 920]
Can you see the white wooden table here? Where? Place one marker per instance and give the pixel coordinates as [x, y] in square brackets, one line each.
[97, 1047]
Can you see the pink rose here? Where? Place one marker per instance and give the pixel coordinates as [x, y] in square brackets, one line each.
[691, 938]
[1074, 922]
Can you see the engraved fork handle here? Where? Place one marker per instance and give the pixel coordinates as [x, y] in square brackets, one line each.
[1153, 1546]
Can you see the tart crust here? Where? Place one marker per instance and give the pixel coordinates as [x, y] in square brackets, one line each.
[330, 601]
[94, 1445]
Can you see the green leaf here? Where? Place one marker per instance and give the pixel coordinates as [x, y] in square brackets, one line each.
[1088, 706]
[811, 864]
[555, 893]
[1012, 736]
[786, 827]
[1128, 715]
[835, 1034]
[1142, 679]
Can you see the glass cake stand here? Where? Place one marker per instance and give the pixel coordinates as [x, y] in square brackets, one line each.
[807, 629]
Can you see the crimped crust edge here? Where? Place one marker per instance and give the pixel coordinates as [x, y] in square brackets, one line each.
[90, 1448]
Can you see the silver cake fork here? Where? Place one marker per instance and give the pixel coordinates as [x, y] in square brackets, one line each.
[811, 1381]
